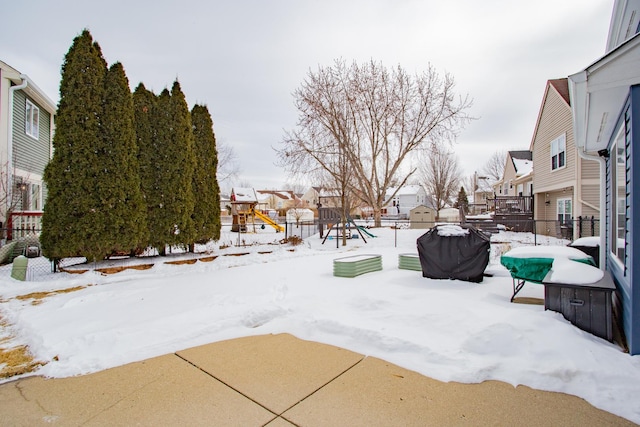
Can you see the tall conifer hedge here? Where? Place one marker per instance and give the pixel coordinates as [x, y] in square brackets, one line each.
[73, 208]
[126, 169]
[206, 213]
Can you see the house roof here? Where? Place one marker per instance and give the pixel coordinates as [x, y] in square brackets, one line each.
[562, 86]
[599, 91]
[522, 162]
[407, 190]
[243, 195]
[281, 194]
[521, 154]
[31, 89]
[523, 167]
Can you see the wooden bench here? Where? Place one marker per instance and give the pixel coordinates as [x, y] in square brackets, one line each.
[409, 262]
[356, 265]
[587, 306]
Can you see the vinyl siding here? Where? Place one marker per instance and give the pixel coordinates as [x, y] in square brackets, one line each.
[591, 195]
[590, 169]
[29, 154]
[555, 119]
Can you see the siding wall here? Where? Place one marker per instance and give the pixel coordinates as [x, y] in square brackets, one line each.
[555, 119]
[509, 175]
[627, 299]
[29, 154]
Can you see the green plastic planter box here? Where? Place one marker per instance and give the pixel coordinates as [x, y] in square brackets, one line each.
[409, 262]
[356, 265]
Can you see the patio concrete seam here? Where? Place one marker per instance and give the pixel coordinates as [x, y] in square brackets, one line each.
[228, 385]
[320, 388]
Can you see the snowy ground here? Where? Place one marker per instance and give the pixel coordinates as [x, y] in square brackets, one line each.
[448, 330]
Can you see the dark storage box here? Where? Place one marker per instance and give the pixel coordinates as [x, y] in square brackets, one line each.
[587, 306]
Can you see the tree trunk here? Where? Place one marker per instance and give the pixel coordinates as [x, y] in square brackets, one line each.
[377, 217]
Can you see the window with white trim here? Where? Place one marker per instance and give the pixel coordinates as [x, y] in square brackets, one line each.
[559, 152]
[32, 120]
[619, 202]
[564, 211]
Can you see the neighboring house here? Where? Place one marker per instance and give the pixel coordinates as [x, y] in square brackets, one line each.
[605, 99]
[405, 199]
[325, 196]
[278, 200]
[517, 178]
[483, 191]
[26, 146]
[225, 204]
[565, 185]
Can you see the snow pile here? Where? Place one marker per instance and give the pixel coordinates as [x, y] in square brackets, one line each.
[451, 230]
[587, 242]
[446, 329]
[564, 269]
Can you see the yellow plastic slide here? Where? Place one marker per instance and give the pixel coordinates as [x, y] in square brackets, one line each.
[268, 220]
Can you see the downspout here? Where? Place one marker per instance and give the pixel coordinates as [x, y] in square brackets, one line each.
[603, 200]
[12, 89]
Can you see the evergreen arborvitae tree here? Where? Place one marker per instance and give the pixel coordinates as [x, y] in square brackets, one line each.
[123, 221]
[462, 201]
[150, 167]
[72, 207]
[167, 163]
[206, 213]
[181, 173]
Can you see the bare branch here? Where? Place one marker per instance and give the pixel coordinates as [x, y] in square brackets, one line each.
[359, 123]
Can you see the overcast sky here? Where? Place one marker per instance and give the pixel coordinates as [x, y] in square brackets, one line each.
[243, 59]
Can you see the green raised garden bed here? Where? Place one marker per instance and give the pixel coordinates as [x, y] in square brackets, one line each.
[356, 265]
[409, 262]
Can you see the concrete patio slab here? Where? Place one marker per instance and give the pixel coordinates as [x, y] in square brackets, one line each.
[160, 391]
[378, 393]
[276, 371]
[281, 381]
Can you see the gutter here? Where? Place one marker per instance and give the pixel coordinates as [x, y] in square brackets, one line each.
[12, 89]
[603, 182]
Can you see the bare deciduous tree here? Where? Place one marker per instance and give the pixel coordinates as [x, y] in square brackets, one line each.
[441, 175]
[228, 166]
[359, 123]
[494, 168]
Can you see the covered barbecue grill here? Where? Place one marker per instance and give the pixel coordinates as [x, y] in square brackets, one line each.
[454, 252]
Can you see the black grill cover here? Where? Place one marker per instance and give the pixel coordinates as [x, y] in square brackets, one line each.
[462, 257]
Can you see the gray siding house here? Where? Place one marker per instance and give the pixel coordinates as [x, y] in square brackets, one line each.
[27, 117]
[605, 99]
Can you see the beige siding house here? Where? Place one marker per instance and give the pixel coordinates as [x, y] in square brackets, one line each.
[566, 187]
[517, 178]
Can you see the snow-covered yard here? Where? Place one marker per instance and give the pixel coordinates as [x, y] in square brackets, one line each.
[448, 330]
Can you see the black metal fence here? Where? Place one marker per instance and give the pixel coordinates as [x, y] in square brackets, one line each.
[302, 229]
[26, 242]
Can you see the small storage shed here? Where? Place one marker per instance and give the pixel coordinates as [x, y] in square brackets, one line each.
[422, 217]
[297, 215]
[454, 252]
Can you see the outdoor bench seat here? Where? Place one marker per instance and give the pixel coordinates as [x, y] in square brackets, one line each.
[356, 265]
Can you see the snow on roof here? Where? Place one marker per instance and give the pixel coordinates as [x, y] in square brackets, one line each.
[329, 192]
[523, 166]
[244, 195]
[282, 194]
[407, 190]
